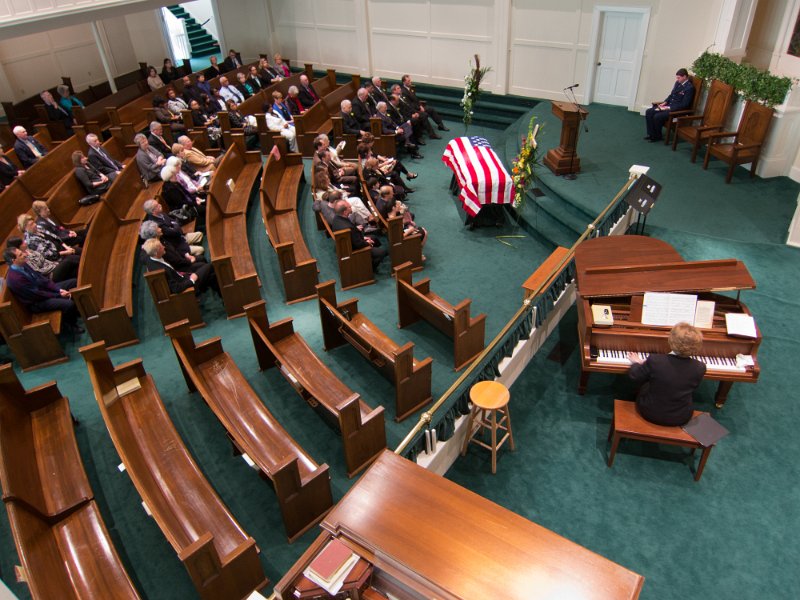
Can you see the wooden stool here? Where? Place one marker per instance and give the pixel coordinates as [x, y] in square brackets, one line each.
[489, 398]
[628, 423]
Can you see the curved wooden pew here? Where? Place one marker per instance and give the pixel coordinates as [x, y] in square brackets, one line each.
[104, 293]
[355, 266]
[14, 201]
[303, 488]
[226, 227]
[416, 301]
[41, 178]
[281, 182]
[221, 558]
[342, 323]
[362, 428]
[32, 337]
[171, 307]
[61, 539]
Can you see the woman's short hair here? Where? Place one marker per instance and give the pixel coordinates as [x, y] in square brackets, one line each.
[685, 340]
[148, 230]
[293, 90]
[167, 173]
[22, 222]
[38, 206]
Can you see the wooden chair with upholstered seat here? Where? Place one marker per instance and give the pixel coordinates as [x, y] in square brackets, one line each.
[745, 147]
[720, 96]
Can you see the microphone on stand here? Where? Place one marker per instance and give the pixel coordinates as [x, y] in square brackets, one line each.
[572, 86]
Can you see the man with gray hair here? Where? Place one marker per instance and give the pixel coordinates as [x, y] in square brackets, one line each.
[171, 229]
[178, 281]
[28, 149]
[306, 94]
[102, 160]
[148, 159]
[195, 157]
[362, 109]
[176, 254]
[156, 139]
[358, 240]
[350, 124]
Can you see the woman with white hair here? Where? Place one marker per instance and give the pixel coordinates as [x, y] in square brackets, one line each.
[293, 101]
[175, 195]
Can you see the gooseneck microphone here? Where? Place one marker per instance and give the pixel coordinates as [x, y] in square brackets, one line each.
[572, 87]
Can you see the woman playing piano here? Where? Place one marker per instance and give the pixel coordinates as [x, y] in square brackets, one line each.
[668, 380]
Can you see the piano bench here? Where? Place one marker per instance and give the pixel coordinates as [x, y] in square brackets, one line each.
[629, 424]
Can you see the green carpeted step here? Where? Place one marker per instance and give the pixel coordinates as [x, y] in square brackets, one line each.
[200, 39]
[565, 213]
[542, 226]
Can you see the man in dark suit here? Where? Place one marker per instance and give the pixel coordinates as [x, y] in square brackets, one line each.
[408, 110]
[680, 98]
[349, 122]
[177, 281]
[28, 149]
[102, 160]
[361, 110]
[214, 70]
[402, 132]
[36, 292]
[409, 94]
[306, 94]
[668, 380]
[8, 171]
[157, 141]
[234, 61]
[358, 240]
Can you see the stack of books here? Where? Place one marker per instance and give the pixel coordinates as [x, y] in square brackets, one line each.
[331, 566]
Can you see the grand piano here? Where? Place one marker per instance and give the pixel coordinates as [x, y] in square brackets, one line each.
[618, 270]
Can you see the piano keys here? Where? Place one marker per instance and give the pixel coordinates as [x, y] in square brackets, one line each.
[618, 270]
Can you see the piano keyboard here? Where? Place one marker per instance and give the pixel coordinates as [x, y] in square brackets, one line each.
[712, 363]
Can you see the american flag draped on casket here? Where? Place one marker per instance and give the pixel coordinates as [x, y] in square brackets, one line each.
[481, 176]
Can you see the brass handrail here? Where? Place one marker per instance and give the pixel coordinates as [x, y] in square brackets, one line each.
[426, 417]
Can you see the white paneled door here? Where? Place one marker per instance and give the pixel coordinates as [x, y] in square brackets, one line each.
[618, 54]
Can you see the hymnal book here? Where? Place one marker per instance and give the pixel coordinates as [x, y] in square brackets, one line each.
[602, 315]
[667, 309]
[231, 185]
[704, 314]
[705, 429]
[740, 324]
[331, 566]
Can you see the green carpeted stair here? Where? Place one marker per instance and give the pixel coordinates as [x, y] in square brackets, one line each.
[201, 42]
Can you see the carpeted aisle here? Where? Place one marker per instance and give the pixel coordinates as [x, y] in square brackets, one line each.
[728, 536]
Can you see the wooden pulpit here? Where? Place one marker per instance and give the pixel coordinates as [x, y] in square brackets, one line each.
[564, 159]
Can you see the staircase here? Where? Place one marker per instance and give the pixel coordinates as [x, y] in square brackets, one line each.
[202, 42]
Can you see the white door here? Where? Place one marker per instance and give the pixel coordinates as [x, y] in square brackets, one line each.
[618, 56]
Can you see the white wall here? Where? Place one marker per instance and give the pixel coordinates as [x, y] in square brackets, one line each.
[147, 38]
[245, 27]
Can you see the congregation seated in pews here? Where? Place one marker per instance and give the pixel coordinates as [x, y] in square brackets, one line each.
[277, 345]
[301, 486]
[416, 301]
[63, 545]
[221, 559]
[343, 323]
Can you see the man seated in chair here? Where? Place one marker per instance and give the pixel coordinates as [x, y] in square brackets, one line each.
[28, 149]
[680, 98]
[177, 281]
[669, 380]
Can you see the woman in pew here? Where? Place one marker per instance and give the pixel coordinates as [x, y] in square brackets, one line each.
[240, 121]
[166, 117]
[92, 180]
[266, 73]
[153, 80]
[324, 190]
[281, 67]
[177, 197]
[36, 260]
[67, 257]
[8, 170]
[293, 101]
[169, 72]
[392, 178]
[364, 150]
[391, 207]
[67, 100]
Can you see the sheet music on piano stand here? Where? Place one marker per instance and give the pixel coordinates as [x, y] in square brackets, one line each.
[667, 309]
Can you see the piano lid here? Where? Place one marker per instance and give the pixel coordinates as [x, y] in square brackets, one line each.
[632, 264]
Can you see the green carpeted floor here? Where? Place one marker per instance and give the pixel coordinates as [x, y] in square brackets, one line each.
[733, 535]
[460, 264]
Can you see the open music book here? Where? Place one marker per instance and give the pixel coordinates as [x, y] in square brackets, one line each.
[667, 309]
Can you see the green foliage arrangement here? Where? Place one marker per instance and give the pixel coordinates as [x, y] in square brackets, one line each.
[750, 82]
[472, 88]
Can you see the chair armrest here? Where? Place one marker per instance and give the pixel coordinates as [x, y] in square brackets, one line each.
[722, 134]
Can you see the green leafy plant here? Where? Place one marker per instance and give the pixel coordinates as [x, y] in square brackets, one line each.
[472, 88]
[750, 82]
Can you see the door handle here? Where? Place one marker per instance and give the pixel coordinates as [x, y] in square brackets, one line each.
[599, 64]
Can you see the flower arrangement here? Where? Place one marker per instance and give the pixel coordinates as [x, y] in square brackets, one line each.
[472, 88]
[523, 167]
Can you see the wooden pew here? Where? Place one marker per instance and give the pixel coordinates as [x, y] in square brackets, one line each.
[280, 187]
[14, 201]
[99, 111]
[402, 248]
[302, 487]
[63, 204]
[342, 323]
[385, 145]
[31, 337]
[61, 539]
[316, 119]
[416, 301]
[226, 227]
[277, 345]
[221, 558]
[355, 266]
[104, 293]
[171, 307]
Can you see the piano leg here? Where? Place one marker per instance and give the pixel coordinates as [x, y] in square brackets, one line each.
[584, 380]
[722, 393]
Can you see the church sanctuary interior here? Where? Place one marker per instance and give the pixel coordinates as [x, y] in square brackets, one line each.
[162, 444]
